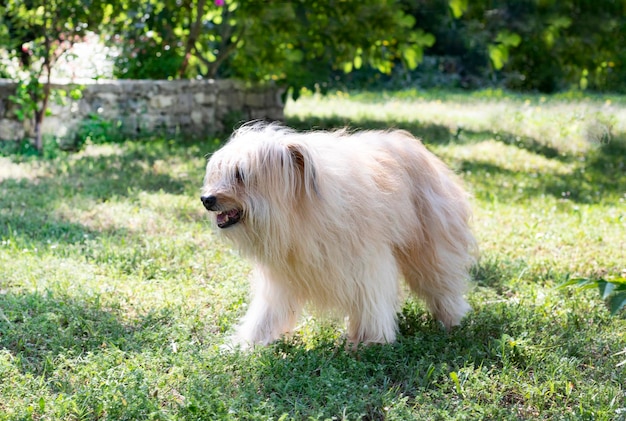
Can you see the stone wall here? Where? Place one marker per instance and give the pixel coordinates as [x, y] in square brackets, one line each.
[188, 107]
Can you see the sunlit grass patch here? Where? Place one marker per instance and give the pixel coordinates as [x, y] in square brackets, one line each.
[504, 157]
[565, 125]
[12, 170]
[116, 296]
[554, 239]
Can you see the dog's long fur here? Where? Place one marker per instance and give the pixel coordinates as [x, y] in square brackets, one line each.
[335, 218]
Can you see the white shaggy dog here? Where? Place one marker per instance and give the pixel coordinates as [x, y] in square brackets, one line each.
[334, 218]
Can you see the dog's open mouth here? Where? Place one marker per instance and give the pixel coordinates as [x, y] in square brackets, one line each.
[228, 218]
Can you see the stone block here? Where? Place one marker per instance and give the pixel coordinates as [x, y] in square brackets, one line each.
[107, 113]
[170, 87]
[130, 126]
[197, 117]
[84, 108]
[185, 120]
[111, 87]
[225, 85]
[7, 87]
[185, 103]
[58, 125]
[135, 105]
[107, 97]
[162, 101]
[198, 98]
[259, 114]
[55, 109]
[255, 100]
[210, 98]
[11, 129]
[275, 114]
[231, 100]
[130, 86]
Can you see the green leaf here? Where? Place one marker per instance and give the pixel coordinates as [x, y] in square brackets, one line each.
[499, 51]
[457, 384]
[498, 56]
[578, 282]
[428, 40]
[617, 302]
[458, 7]
[76, 93]
[509, 39]
[620, 283]
[514, 40]
[412, 56]
[404, 20]
[421, 38]
[358, 62]
[383, 66]
[606, 288]
[294, 56]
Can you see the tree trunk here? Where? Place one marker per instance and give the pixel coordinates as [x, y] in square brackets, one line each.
[194, 33]
[38, 134]
[41, 110]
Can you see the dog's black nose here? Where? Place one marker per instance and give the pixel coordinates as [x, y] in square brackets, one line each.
[208, 201]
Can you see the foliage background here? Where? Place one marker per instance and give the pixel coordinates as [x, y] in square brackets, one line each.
[530, 45]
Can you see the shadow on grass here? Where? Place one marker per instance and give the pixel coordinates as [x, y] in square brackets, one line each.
[428, 132]
[292, 379]
[494, 338]
[599, 177]
[28, 206]
[522, 142]
[41, 330]
[601, 172]
[39, 326]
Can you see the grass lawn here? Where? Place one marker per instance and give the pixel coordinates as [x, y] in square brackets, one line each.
[115, 295]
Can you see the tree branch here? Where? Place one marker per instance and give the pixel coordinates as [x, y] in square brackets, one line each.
[227, 47]
[194, 33]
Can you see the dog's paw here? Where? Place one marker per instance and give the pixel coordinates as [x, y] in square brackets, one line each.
[234, 344]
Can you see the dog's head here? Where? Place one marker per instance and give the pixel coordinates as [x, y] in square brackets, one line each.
[258, 178]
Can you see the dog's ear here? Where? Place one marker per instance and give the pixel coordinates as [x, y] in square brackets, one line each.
[303, 164]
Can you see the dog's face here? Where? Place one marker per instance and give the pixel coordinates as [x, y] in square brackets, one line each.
[229, 210]
[254, 182]
[225, 192]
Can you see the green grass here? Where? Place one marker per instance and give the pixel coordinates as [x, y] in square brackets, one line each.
[115, 296]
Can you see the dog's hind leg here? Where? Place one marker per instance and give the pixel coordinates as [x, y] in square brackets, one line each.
[372, 312]
[273, 312]
[440, 282]
[449, 309]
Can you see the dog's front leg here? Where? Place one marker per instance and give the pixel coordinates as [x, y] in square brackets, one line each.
[273, 312]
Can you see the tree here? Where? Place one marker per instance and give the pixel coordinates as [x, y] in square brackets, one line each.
[36, 34]
[530, 45]
[297, 43]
